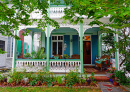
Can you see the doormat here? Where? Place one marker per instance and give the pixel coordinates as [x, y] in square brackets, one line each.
[91, 70]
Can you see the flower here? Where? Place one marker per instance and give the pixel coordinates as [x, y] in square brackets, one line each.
[111, 70]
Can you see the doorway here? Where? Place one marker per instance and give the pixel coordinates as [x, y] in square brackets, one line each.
[87, 52]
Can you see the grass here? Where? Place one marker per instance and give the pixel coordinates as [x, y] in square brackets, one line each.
[42, 89]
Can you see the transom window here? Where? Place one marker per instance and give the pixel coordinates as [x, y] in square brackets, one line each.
[57, 45]
[86, 38]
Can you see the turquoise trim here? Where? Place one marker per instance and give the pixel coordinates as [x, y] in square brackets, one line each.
[30, 59]
[67, 40]
[64, 59]
[75, 42]
[49, 60]
[94, 41]
[88, 33]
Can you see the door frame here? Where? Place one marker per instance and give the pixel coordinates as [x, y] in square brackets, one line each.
[91, 49]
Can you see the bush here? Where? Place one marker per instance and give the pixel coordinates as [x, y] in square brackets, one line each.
[72, 78]
[1, 77]
[17, 76]
[122, 78]
[10, 80]
[59, 79]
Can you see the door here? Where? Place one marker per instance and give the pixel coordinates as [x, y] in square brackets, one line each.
[87, 52]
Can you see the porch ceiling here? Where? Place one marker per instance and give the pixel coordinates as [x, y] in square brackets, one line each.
[64, 30]
[35, 30]
[92, 30]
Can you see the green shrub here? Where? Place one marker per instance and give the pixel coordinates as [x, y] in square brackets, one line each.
[92, 77]
[59, 79]
[10, 80]
[17, 76]
[72, 78]
[39, 54]
[121, 77]
[33, 82]
[1, 77]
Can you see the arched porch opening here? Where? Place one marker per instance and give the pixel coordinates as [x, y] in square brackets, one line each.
[61, 37]
[90, 45]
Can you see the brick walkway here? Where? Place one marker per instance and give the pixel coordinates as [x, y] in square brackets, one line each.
[108, 87]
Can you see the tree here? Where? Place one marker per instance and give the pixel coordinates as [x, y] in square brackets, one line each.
[14, 13]
[119, 11]
[17, 12]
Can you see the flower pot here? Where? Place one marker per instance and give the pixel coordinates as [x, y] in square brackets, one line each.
[108, 74]
[111, 81]
[114, 83]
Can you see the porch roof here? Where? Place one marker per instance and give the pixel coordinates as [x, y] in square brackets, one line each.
[92, 30]
[64, 30]
[35, 30]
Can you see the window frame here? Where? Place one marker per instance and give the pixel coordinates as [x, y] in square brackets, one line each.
[11, 48]
[57, 44]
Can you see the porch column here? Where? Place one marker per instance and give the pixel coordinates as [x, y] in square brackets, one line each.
[81, 46]
[41, 39]
[99, 45]
[32, 42]
[47, 67]
[116, 52]
[48, 47]
[15, 51]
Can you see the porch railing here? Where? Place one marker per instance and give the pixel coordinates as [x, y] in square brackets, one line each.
[30, 66]
[56, 66]
[64, 66]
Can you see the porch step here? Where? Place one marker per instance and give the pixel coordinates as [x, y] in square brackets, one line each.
[102, 78]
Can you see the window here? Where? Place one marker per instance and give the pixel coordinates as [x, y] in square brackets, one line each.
[2, 45]
[87, 38]
[57, 45]
[10, 47]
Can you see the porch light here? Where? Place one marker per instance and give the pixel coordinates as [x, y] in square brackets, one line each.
[65, 46]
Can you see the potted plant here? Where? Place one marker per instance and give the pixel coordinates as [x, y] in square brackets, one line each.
[27, 55]
[66, 56]
[39, 54]
[110, 71]
[56, 57]
[112, 76]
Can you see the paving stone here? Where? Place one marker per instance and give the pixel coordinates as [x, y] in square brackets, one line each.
[109, 87]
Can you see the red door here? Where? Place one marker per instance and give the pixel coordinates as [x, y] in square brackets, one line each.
[87, 52]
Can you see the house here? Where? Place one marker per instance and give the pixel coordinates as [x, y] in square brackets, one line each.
[80, 39]
[6, 44]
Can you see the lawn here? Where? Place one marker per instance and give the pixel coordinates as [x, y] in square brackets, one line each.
[42, 89]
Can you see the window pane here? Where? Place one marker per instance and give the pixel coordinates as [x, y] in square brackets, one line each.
[61, 37]
[54, 48]
[58, 37]
[2, 45]
[86, 38]
[52, 37]
[55, 37]
[60, 48]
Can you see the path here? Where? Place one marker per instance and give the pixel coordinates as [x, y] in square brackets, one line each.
[109, 87]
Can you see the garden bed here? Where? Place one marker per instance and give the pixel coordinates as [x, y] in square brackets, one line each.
[76, 85]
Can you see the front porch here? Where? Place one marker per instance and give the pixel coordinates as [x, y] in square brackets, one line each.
[86, 47]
